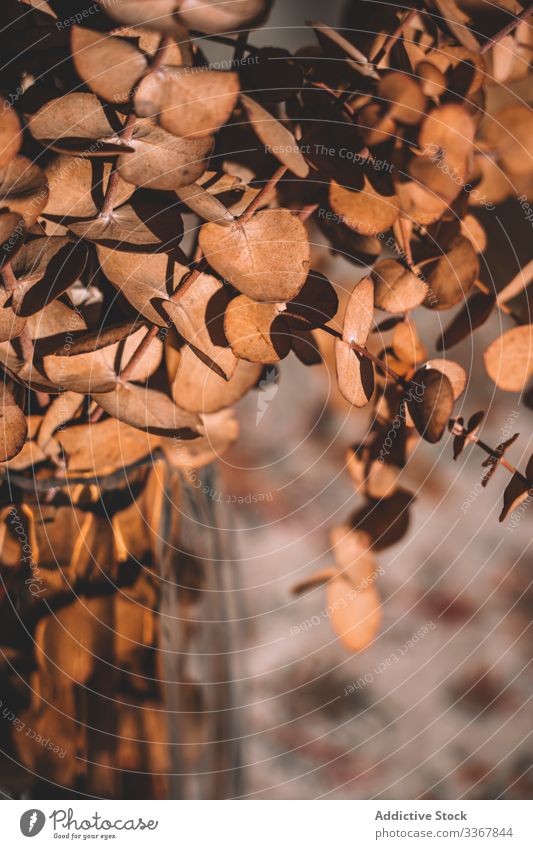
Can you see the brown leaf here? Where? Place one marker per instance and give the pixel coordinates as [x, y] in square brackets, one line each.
[148, 409]
[45, 268]
[77, 186]
[266, 258]
[397, 289]
[334, 44]
[221, 430]
[407, 345]
[215, 16]
[356, 616]
[23, 189]
[199, 389]
[508, 133]
[430, 403]
[142, 278]
[355, 562]
[256, 332]
[355, 374]
[359, 315]
[509, 359]
[402, 97]
[82, 367]
[188, 102]
[12, 235]
[62, 409]
[516, 491]
[162, 161]
[159, 15]
[102, 447]
[367, 212]
[11, 325]
[315, 304]
[474, 314]
[451, 276]
[77, 123]
[10, 133]
[13, 426]
[205, 204]
[198, 316]
[277, 139]
[305, 345]
[110, 66]
[135, 226]
[453, 371]
[385, 521]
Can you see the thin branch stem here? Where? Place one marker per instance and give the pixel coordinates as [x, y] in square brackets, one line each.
[364, 352]
[126, 132]
[393, 37]
[139, 352]
[269, 186]
[507, 29]
[460, 430]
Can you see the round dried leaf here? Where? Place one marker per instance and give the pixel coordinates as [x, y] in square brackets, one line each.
[196, 102]
[77, 123]
[266, 258]
[402, 97]
[77, 186]
[199, 389]
[355, 374]
[10, 133]
[453, 371]
[198, 316]
[315, 304]
[109, 65]
[509, 359]
[215, 16]
[256, 332]
[45, 268]
[407, 345]
[142, 278]
[353, 558]
[149, 410]
[397, 289]
[205, 204]
[23, 189]
[276, 138]
[451, 276]
[162, 161]
[102, 447]
[430, 403]
[13, 426]
[359, 315]
[84, 367]
[366, 212]
[158, 15]
[11, 325]
[356, 616]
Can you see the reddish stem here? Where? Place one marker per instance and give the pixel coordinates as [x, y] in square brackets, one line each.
[393, 37]
[260, 197]
[507, 29]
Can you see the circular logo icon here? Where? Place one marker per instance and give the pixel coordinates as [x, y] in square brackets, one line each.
[32, 822]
